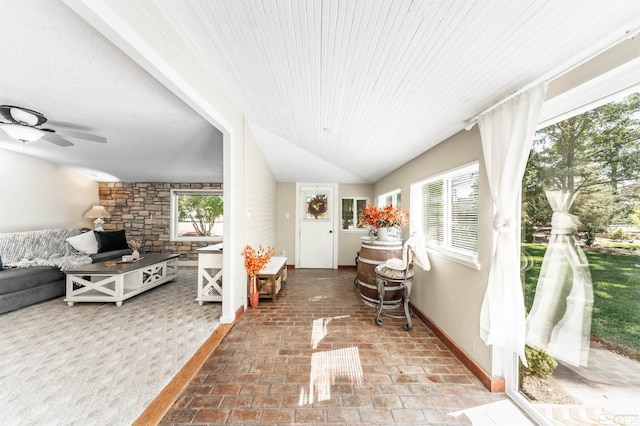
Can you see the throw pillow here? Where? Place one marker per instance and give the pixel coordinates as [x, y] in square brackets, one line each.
[111, 240]
[85, 243]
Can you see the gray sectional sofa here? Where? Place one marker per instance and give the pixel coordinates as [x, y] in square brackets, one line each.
[32, 263]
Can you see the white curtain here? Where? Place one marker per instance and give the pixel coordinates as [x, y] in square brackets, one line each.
[560, 318]
[507, 134]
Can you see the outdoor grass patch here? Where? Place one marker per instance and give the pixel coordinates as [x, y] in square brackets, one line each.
[623, 246]
[616, 291]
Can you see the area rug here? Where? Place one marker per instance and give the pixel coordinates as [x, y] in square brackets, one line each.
[95, 363]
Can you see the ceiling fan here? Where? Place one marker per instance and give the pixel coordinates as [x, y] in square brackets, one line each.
[23, 124]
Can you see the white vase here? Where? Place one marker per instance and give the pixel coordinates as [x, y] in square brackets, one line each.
[383, 234]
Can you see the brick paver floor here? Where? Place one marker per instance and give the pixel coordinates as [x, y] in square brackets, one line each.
[315, 356]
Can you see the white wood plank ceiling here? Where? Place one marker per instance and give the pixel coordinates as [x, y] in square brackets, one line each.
[367, 85]
[333, 90]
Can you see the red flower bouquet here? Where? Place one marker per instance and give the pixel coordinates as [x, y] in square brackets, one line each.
[254, 260]
[383, 217]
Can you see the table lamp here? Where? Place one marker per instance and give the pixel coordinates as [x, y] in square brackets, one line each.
[97, 213]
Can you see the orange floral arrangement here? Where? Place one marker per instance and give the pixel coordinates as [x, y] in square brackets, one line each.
[254, 260]
[383, 217]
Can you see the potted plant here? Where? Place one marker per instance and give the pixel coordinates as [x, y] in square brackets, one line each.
[254, 261]
[383, 218]
[135, 246]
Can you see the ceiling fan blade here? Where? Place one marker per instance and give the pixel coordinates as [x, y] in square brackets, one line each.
[55, 139]
[81, 135]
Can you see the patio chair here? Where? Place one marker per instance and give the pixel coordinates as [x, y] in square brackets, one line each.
[394, 289]
[394, 279]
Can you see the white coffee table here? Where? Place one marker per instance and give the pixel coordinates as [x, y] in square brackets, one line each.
[105, 282]
[209, 273]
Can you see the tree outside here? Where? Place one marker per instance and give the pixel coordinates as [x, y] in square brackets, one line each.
[202, 211]
[596, 157]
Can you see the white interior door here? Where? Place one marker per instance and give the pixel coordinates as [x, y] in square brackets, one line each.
[316, 211]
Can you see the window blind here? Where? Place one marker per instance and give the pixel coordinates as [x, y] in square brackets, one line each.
[433, 217]
[464, 212]
[450, 211]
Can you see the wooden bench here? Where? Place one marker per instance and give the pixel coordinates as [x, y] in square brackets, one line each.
[272, 276]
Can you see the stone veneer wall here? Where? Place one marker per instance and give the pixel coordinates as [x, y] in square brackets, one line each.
[142, 209]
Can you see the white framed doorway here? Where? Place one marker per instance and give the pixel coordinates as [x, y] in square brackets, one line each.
[316, 233]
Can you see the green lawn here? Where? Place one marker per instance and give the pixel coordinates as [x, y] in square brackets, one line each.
[616, 291]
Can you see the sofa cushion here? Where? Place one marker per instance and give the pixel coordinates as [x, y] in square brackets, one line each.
[16, 279]
[29, 296]
[86, 242]
[111, 240]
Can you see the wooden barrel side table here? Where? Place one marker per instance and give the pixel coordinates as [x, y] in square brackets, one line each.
[374, 253]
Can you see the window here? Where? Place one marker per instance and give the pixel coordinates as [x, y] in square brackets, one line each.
[390, 198]
[351, 207]
[445, 209]
[196, 215]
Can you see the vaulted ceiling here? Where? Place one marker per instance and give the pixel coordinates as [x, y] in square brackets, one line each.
[339, 90]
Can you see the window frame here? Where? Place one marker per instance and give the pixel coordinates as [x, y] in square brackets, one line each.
[355, 209]
[174, 194]
[462, 256]
[395, 195]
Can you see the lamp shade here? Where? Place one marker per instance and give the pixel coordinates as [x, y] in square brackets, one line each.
[22, 133]
[97, 212]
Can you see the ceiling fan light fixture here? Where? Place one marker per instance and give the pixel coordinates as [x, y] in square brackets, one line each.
[23, 116]
[22, 133]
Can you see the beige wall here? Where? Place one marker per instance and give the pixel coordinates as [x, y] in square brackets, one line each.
[286, 220]
[451, 294]
[40, 195]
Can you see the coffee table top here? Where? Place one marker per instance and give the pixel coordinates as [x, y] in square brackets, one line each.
[147, 259]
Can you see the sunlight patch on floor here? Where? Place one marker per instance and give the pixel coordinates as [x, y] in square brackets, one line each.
[329, 367]
[319, 330]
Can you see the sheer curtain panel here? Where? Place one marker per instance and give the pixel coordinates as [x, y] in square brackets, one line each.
[560, 318]
[507, 133]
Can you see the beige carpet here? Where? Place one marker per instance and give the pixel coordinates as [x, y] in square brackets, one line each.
[95, 363]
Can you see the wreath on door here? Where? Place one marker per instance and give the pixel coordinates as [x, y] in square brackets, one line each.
[317, 206]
